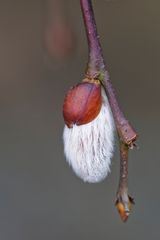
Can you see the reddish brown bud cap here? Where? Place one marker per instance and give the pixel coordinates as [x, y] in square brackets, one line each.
[82, 103]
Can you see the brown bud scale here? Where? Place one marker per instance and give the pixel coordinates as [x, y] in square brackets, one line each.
[82, 103]
[124, 208]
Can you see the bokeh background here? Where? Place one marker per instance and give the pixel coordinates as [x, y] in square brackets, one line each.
[43, 51]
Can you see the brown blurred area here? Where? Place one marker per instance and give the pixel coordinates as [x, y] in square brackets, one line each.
[40, 197]
[60, 39]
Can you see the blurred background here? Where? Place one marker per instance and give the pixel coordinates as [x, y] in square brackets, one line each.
[43, 52]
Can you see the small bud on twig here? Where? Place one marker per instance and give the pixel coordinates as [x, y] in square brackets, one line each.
[124, 204]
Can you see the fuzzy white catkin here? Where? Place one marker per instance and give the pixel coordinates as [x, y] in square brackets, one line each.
[88, 148]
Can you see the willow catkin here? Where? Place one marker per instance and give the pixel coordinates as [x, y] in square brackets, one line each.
[88, 148]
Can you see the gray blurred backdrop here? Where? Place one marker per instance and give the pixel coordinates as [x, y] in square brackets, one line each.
[40, 197]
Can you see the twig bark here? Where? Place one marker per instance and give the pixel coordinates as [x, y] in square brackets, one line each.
[97, 69]
[123, 201]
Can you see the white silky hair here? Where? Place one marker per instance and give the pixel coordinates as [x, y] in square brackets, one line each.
[88, 148]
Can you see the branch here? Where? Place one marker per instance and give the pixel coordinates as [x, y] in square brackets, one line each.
[96, 62]
[96, 68]
[123, 201]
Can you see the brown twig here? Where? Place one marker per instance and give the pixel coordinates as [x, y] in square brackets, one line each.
[96, 68]
[123, 200]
